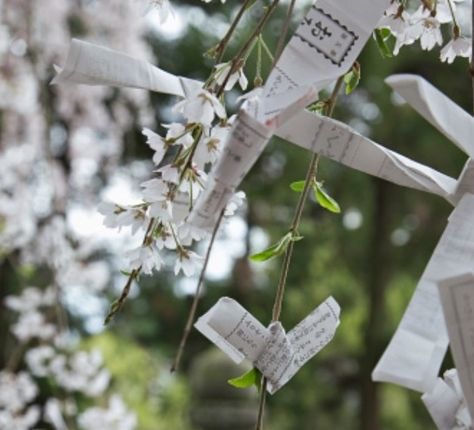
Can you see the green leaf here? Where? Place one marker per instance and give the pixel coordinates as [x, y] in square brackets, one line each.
[275, 250]
[252, 377]
[352, 78]
[382, 35]
[125, 273]
[318, 107]
[297, 186]
[324, 199]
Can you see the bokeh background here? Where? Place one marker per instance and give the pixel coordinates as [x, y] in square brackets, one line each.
[64, 149]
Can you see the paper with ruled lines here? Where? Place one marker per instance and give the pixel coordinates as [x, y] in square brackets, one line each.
[277, 354]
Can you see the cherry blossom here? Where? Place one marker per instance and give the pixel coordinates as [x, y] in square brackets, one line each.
[188, 261]
[147, 257]
[201, 107]
[221, 72]
[456, 47]
[157, 143]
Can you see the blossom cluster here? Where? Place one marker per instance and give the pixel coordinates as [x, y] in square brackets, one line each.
[425, 24]
[193, 146]
[51, 355]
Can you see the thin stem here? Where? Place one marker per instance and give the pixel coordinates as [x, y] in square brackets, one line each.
[451, 10]
[225, 40]
[282, 38]
[118, 304]
[192, 311]
[280, 292]
[236, 62]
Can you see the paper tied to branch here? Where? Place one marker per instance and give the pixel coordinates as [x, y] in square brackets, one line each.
[341, 143]
[457, 299]
[416, 351]
[276, 354]
[311, 131]
[96, 65]
[446, 405]
[324, 47]
[242, 147]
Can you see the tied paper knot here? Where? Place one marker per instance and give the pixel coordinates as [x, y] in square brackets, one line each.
[446, 403]
[276, 354]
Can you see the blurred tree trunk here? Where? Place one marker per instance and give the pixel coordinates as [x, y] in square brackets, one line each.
[378, 253]
[5, 289]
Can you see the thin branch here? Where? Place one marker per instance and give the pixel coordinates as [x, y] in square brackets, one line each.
[225, 40]
[118, 304]
[192, 311]
[282, 38]
[278, 303]
[236, 62]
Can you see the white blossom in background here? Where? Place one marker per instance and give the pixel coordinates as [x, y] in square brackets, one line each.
[17, 391]
[75, 372]
[221, 72]
[425, 25]
[459, 47]
[115, 417]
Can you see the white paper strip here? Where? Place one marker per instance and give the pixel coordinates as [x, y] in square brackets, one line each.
[343, 144]
[244, 144]
[324, 46]
[442, 404]
[326, 136]
[95, 65]
[457, 299]
[455, 123]
[278, 355]
[416, 351]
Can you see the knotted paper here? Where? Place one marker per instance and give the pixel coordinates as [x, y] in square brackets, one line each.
[278, 355]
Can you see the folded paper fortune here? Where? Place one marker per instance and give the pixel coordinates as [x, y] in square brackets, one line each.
[276, 354]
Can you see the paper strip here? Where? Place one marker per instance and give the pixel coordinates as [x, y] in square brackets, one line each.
[324, 46]
[442, 404]
[457, 299]
[416, 351]
[96, 65]
[276, 354]
[441, 112]
[343, 144]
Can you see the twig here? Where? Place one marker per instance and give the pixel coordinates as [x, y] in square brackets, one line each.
[236, 62]
[192, 311]
[277, 305]
[225, 40]
[118, 304]
[282, 38]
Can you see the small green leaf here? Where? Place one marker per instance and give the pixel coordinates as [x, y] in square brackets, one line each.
[324, 199]
[252, 377]
[352, 78]
[382, 35]
[125, 273]
[297, 186]
[318, 107]
[275, 250]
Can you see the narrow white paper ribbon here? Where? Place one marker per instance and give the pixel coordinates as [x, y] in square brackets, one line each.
[278, 355]
[96, 65]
